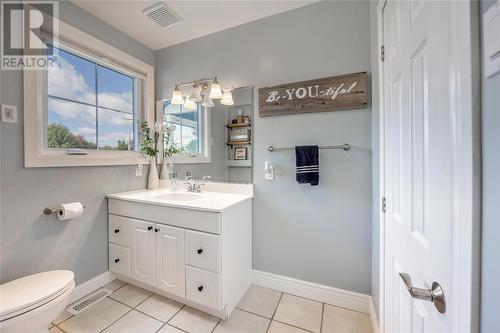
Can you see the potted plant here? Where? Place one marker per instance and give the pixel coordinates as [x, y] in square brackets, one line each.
[149, 148]
[169, 149]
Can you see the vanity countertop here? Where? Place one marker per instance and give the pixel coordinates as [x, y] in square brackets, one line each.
[215, 197]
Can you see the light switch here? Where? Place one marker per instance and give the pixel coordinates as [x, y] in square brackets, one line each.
[491, 40]
[9, 113]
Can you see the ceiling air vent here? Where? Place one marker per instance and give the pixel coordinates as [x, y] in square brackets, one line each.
[162, 14]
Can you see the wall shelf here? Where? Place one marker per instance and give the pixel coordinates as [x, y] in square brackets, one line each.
[239, 163]
[237, 125]
[238, 143]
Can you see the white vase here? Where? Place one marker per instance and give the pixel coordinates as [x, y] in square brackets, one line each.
[153, 180]
[165, 169]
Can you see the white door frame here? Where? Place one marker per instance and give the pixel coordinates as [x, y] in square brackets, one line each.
[465, 102]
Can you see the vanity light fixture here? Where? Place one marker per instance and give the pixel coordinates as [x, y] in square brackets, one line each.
[177, 96]
[202, 91]
[189, 104]
[215, 90]
[227, 98]
[207, 101]
[195, 95]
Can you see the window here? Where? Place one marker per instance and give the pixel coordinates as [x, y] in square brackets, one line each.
[190, 134]
[89, 106]
[93, 99]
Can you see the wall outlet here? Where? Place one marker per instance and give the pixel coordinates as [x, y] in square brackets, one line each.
[138, 170]
[9, 113]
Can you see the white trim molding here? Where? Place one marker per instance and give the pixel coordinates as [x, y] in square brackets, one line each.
[317, 292]
[373, 317]
[91, 285]
[35, 94]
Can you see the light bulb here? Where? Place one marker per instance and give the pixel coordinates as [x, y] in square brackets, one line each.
[215, 90]
[207, 102]
[195, 95]
[177, 97]
[227, 98]
[189, 105]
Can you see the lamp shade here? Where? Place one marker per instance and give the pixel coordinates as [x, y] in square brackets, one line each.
[215, 90]
[189, 105]
[227, 98]
[177, 97]
[195, 95]
[207, 102]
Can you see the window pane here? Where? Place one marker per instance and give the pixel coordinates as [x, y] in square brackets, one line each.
[115, 90]
[73, 78]
[190, 140]
[70, 125]
[116, 130]
[172, 113]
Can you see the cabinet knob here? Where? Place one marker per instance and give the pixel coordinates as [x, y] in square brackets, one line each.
[117, 231]
[200, 289]
[150, 228]
[156, 229]
[199, 251]
[117, 260]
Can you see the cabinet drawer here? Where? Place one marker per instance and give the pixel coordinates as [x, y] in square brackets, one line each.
[203, 287]
[119, 259]
[119, 230]
[203, 250]
[177, 217]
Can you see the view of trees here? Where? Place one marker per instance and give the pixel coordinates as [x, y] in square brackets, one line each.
[59, 136]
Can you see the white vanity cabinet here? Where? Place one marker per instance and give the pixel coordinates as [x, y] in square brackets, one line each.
[200, 258]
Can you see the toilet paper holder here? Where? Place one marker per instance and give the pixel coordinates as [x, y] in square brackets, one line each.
[55, 211]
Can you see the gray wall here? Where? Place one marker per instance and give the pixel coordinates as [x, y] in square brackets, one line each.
[319, 234]
[490, 294]
[30, 241]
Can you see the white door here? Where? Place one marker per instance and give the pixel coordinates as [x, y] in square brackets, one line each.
[142, 252]
[419, 164]
[170, 269]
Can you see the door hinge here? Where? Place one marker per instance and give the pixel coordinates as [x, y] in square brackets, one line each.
[382, 53]
[384, 205]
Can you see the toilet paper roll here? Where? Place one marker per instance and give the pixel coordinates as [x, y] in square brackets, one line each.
[70, 211]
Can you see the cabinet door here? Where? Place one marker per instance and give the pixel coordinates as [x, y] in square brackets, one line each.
[142, 252]
[170, 270]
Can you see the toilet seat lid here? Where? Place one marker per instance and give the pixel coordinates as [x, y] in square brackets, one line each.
[27, 291]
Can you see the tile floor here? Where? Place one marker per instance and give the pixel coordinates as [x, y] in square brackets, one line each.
[130, 309]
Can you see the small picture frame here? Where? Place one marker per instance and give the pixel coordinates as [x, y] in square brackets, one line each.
[240, 153]
[9, 114]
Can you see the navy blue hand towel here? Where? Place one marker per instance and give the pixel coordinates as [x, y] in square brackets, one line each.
[307, 163]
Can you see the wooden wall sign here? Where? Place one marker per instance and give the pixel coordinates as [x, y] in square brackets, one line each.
[344, 92]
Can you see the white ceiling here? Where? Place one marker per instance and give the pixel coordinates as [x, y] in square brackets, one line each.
[199, 17]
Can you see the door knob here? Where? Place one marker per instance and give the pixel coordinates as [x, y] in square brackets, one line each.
[150, 228]
[434, 295]
[117, 231]
[117, 260]
[199, 251]
[200, 289]
[157, 229]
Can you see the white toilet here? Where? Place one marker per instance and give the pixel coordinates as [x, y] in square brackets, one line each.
[29, 304]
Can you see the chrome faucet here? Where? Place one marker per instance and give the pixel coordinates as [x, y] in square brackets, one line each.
[193, 185]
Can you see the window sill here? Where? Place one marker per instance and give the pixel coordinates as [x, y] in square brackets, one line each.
[184, 159]
[93, 158]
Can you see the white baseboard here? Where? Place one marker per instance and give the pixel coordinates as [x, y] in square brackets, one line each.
[89, 286]
[334, 296]
[373, 317]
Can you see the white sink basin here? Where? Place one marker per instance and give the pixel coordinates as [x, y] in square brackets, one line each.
[179, 196]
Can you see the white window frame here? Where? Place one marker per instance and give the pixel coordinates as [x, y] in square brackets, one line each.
[35, 94]
[205, 137]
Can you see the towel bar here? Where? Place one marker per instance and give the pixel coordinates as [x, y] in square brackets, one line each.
[344, 147]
